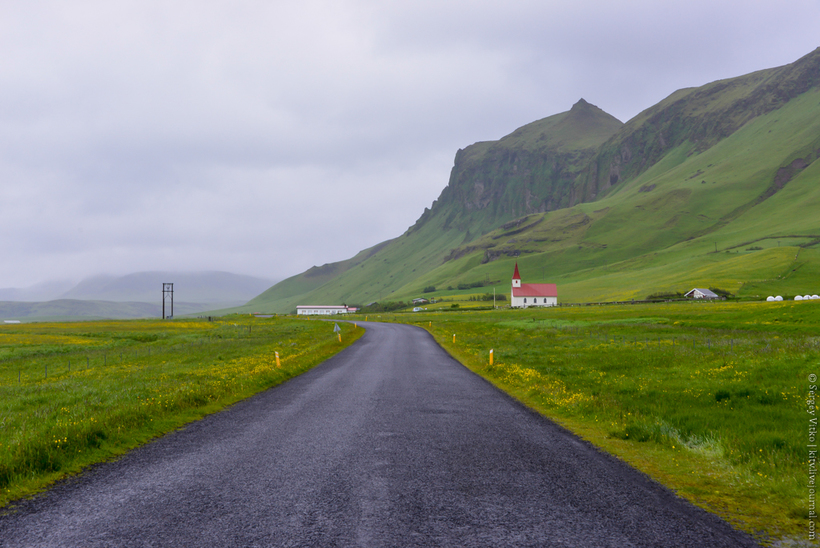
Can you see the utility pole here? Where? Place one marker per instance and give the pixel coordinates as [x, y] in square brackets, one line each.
[168, 296]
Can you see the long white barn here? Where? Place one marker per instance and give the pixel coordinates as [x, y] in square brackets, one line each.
[305, 310]
[527, 295]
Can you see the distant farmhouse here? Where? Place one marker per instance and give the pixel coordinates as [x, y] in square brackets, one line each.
[699, 293]
[526, 295]
[323, 310]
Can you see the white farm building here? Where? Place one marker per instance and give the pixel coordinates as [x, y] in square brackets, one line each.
[323, 310]
[527, 295]
[700, 293]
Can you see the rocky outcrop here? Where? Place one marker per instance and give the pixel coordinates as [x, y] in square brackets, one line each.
[532, 170]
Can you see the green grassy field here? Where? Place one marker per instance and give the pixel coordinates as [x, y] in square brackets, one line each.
[710, 399]
[73, 394]
[707, 398]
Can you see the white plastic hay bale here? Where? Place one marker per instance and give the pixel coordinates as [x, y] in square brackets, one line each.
[806, 297]
[778, 298]
[815, 297]
[798, 298]
[770, 299]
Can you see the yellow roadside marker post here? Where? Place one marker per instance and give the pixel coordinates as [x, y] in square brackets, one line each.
[340, 337]
[277, 358]
[491, 356]
[454, 338]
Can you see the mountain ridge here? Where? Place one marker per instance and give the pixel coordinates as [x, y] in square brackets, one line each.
[705, 162]
[656, 130]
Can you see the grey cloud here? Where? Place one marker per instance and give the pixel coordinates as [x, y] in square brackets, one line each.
[264, 138]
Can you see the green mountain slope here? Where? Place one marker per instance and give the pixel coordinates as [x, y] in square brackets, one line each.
[715, 219]
[697, 118]
[292, 291]
[714, 186]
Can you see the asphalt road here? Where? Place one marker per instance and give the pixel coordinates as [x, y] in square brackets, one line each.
[390, 443]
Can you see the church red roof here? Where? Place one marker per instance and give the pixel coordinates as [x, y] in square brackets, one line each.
[516, 275]
[535, 290]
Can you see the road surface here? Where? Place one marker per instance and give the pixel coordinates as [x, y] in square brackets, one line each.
[390, 443]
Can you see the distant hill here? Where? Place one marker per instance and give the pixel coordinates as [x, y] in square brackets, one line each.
[132, 296]
[714, 186]
[44, 291]
[194, 287]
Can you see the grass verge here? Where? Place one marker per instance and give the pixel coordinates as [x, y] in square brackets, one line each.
[74, 394]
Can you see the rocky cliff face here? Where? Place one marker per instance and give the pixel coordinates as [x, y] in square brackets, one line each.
[531, 170]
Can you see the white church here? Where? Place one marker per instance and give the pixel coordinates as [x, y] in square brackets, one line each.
[526, 295]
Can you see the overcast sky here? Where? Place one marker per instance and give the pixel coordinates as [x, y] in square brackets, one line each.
[265, 137]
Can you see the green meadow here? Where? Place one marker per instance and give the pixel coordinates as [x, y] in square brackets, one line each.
[74, 394]
[709, 399]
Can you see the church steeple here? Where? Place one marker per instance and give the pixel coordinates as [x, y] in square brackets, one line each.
[516, 279]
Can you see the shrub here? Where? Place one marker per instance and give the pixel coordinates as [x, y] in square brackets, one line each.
[720, 292]
[667, 295]
[721, 395]
[633, 432]
[470, 285]
[386, 306]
